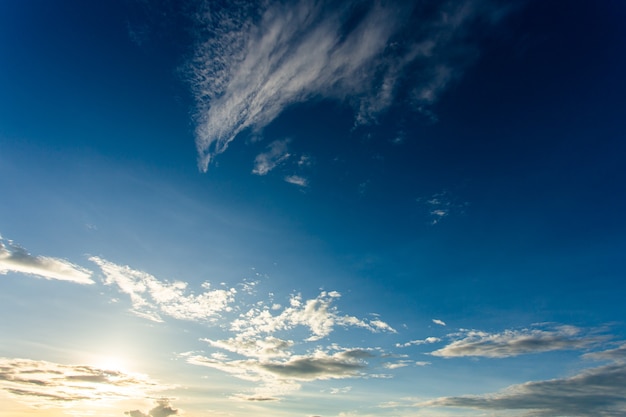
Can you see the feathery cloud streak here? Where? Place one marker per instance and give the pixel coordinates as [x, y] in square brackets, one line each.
[253, 59]
[14, 258]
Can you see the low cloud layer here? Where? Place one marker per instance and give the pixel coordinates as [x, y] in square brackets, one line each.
[152, 298]
[163, 408]
[46, 384]
[594, 392]
[254, 59]
[14, 258]
[515, 342]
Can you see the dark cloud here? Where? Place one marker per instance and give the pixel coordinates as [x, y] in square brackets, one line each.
[594, 392]
[515, 342]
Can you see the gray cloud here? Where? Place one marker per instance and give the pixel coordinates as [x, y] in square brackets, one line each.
[615, 355]
[44, 384]
[272, 362]
[162, 409]
[253, 59]
[515, 342]
[594, 392]
[14, 258]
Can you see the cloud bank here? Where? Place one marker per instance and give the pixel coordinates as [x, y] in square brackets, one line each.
[14, 258]
[44, 384]
[254, 59]
[594, 392]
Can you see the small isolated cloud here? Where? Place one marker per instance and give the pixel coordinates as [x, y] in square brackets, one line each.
[593, 392]
[418, 342]
[44, 384]
[515, 342]
[151, 297]
[439, 322]
[163, 408]
[255, 58]
[297, 180]
[14, 258]
[275, 154]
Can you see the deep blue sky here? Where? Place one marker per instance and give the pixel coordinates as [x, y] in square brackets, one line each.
[420, 201]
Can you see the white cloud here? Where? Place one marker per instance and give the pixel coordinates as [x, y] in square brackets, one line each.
[593, 392]
[418, 342]
[46, 384]
[439, 322]
[297, 180]
[280, 364]
[318, 314]
[253, 59]
[163, 408]
[14, 258]
[151, 298]
[515, 342]
[268, 160]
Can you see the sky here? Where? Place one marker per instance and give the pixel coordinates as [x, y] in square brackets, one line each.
[312, 208]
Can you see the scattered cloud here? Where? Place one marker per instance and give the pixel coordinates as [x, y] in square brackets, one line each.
[280, 364]
[593, 392]
[44, 384]
[253, 59]
[150, 297]
[439, 322]
[515, 342]
[418, 342]
[14, 258]
[268, 160]
[163, 408]
[317, 314]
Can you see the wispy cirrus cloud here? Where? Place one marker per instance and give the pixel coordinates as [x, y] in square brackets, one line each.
[253, 59]
[44, 384]
[151, 297]
[515, 342]
[593, 392]
[14, 258]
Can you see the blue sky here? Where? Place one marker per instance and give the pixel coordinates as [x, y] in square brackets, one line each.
[311, 208]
